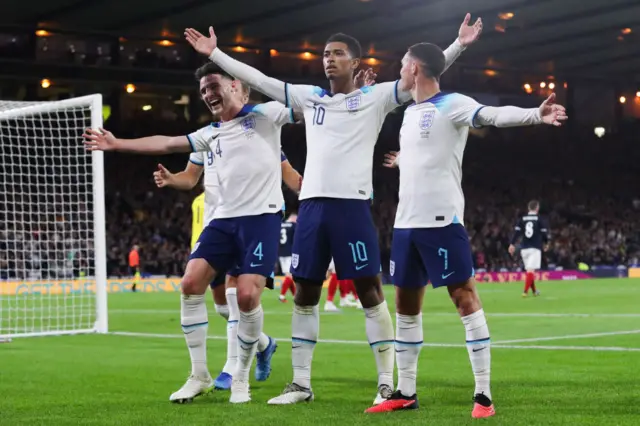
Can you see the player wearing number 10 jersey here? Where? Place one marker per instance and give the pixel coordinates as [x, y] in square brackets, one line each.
[535, 238]
[342, 127]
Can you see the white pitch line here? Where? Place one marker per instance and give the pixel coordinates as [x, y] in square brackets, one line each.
[568, 336]
[435, 345]
[436, 314]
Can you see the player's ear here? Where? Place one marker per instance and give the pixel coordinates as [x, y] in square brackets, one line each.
[355, 63]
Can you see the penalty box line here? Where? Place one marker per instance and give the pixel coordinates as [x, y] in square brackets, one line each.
[506, 344]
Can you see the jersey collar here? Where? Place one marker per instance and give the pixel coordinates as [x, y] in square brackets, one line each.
[246, 109]
[433, 99]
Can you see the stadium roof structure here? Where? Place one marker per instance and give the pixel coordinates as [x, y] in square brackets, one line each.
[577, 37]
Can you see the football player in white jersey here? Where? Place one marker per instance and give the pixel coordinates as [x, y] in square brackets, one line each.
[429, 238]
[227, 307]
[245, 229]
[334, 218]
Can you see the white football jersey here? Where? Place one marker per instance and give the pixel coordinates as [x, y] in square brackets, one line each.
[432, 141]
[342, 131]
[247, 158]
[211, 184]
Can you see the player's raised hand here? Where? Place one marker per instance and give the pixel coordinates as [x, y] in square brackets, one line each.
[163, 177]
[551, 112]
[469, 34]
[365, 78]
[512, 249]
[391, 159]
[99, 140]
[202, 44]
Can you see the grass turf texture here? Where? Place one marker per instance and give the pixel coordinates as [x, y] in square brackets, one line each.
[539, 376]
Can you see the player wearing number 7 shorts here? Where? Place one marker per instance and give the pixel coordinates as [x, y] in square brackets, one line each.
[429, 238]
[334, 219]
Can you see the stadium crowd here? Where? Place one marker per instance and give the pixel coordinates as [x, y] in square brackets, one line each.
[588, 195]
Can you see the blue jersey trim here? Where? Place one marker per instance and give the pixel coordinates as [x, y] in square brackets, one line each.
[366, 89]
[286, 95]
[197, 163]
[395, 92]
[473, 118]
[283, 157]
[193, 147]
[291, 117]
[456, 221]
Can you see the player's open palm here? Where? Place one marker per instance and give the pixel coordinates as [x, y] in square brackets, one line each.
[469, 34]
[365, 78]
[553, 113]
[202, 44]
[99, 140]
[391, 159]
[163, 177]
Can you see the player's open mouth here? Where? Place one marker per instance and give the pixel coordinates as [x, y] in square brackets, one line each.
[214, 103]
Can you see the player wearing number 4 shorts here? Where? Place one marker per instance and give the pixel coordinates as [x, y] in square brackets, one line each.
[429, 238]
[334, 219]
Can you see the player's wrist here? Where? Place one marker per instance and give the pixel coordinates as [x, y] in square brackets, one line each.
[458, 44]
[215, 53]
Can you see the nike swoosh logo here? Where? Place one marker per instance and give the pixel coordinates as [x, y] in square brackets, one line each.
[479, 349]
[188, 332]
[255, 265]
[403, 350]
[361, 266]
[245, 348]
[383, 350]
[296, 347]
[444, 277]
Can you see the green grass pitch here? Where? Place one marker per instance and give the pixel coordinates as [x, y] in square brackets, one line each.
[569, 357]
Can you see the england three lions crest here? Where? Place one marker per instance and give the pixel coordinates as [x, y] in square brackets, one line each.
[353, 103]
[426, 120]
[248, 126]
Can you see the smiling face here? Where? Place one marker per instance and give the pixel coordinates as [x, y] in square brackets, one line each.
[219, 93]
[338, 61]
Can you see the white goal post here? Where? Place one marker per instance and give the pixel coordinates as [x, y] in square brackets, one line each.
[53, 269]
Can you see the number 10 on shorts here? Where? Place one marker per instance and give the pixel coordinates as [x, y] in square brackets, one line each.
[359, 252]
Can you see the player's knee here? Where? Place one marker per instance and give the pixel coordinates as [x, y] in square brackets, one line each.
[248, 293]
[308, 292]
[369, 291]
[191, 284]
[465, 298]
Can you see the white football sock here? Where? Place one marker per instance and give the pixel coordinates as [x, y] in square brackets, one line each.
[195, 324]
[232, 331]
[305, 328]
[249, 330]
[222, 310]
[408, 345]
[263, 342]
[379, 329]
[479, 348]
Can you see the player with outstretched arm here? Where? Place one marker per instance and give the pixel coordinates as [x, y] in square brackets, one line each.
[245, 229]
[334, 218]
[429, 238]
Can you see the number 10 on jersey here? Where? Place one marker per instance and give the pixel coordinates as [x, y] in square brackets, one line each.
[318, 115]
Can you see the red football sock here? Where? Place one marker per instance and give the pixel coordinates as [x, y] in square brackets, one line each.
[527, 283]
[286, 284]
[533, 282]
[352, 287]
[344, 287]
[333, 286]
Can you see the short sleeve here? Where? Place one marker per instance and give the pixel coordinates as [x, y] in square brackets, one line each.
[201, 139]
[388, 94]
[460, 109]
[276, 112]
[297, 95]
[197, 158]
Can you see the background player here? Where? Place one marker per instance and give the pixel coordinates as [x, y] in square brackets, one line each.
[334, 217]
[429, 238]
[134, 266]
[287, 230]
[246, 225]
[535, 238]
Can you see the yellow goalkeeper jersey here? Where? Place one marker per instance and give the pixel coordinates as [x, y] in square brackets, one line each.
[197, 224]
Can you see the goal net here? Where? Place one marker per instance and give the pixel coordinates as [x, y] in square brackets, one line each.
[52, 220]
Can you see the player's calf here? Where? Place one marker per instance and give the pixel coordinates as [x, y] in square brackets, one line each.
[466, 299]
[379, 329]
